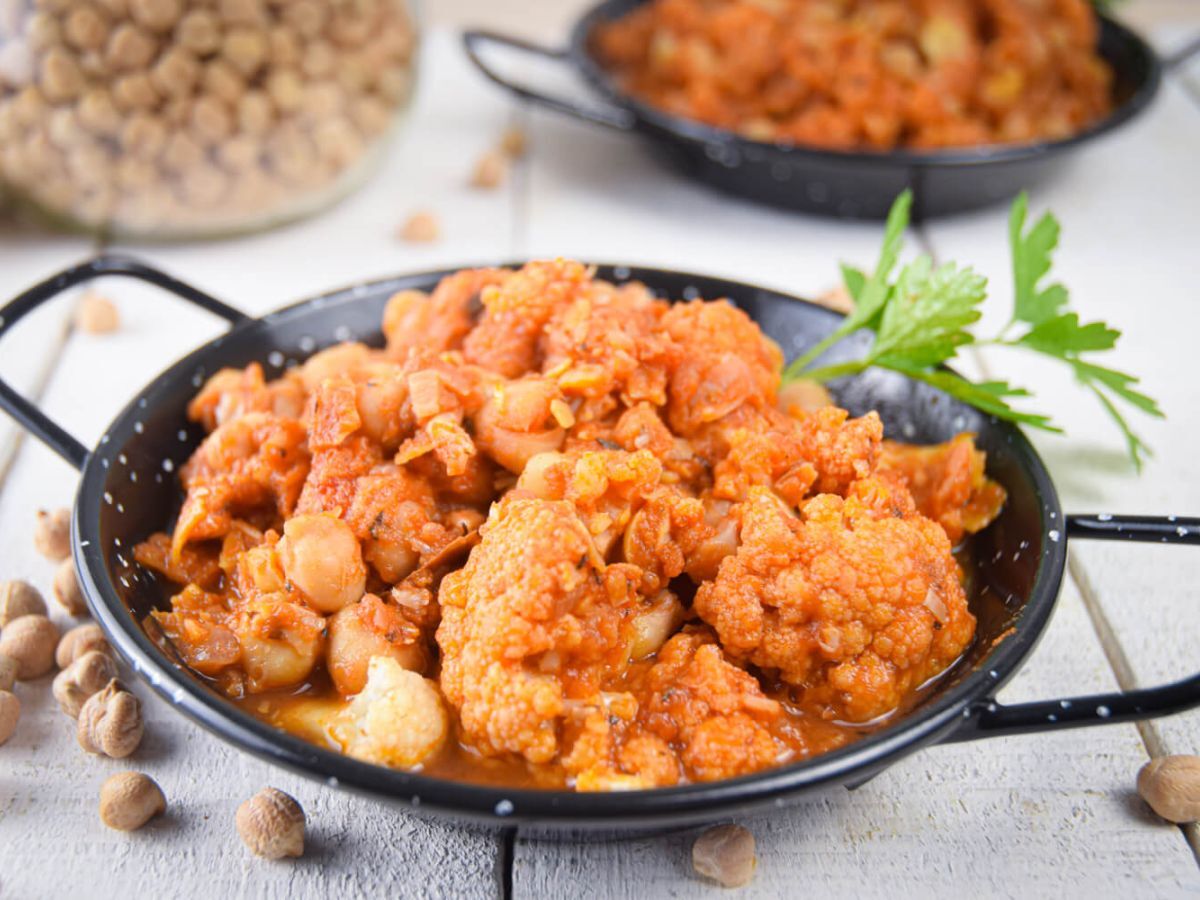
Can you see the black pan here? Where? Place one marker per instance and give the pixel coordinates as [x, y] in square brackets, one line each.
[127, 490]
[847, 184]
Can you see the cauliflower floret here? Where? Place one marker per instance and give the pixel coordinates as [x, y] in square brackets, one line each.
[535, 621]
[691, 714]
[398, 719]
[856, 602]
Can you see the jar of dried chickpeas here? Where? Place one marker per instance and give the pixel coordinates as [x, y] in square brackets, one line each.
[186, 118]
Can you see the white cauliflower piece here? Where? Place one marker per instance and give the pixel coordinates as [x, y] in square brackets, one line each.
[398, 718]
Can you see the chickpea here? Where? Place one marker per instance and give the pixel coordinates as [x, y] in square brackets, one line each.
[30, 640]
[239, 154]
[242, 12]
[86, 29]
[128, 800]
[726, 855]
[64, 129]
[52, 534]
[110, 722]
[81, 679]
[322, 557]
[98, 113]
[365, 630]
[308, 17]
[491, 170]
[223, 82]
[336, 142]
[350, 30]
[371, 115]
[514, 143]
[285, 89]
[10, 713]
[1170, 785]
[255, 114]
[211, 121]
[176, 73]
[130, 49]
[19, 598]
[283, 47]
[319, 59]
[421, 227]
[280, 643]
[96, 314]
[67, 591]
[80, 640]
[8, 672]
[134, 92]
[156, 15]
[200, 32]
[271, 824]
[246, 49]
[43, 31]
[181, 153]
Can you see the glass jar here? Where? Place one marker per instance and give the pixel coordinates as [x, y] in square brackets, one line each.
[186, 118]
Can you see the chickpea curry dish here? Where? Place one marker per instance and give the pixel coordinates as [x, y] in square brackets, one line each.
[866, 74]
[561, 533]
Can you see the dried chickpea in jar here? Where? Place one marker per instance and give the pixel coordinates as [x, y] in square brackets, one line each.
[186, 119]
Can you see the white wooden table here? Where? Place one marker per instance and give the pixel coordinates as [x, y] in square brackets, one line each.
[1025, 816]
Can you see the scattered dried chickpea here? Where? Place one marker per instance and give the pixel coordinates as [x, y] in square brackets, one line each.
[97, 314]
[514, 143]
[30, 641]
[80, 640]
[88, 675]
[8, 672]
[10, 713]
[491, 170]
[52, 534]
[67, 591]
[1170, 785]
[421, 227]
[726, 855]
[271, 824]
[19, 598]
[110, 722]
[128, 800]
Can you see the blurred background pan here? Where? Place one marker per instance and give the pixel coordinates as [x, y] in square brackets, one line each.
[846, 184]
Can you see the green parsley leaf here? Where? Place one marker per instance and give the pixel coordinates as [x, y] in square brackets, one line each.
[1031, 261]
[924, 316]
[1064, 336]
[925, 320]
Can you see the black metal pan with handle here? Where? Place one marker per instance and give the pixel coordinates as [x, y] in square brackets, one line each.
[848, 184]
[128, 490]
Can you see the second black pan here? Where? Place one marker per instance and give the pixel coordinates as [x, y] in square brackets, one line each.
[128, 489]
[845, 184]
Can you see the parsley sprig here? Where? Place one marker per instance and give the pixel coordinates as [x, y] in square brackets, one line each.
[924, 315]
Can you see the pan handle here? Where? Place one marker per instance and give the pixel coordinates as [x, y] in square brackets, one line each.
[610, 116]
[29, 416]
[991, 719]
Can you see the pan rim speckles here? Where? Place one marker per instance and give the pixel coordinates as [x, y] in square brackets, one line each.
[964, 709]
